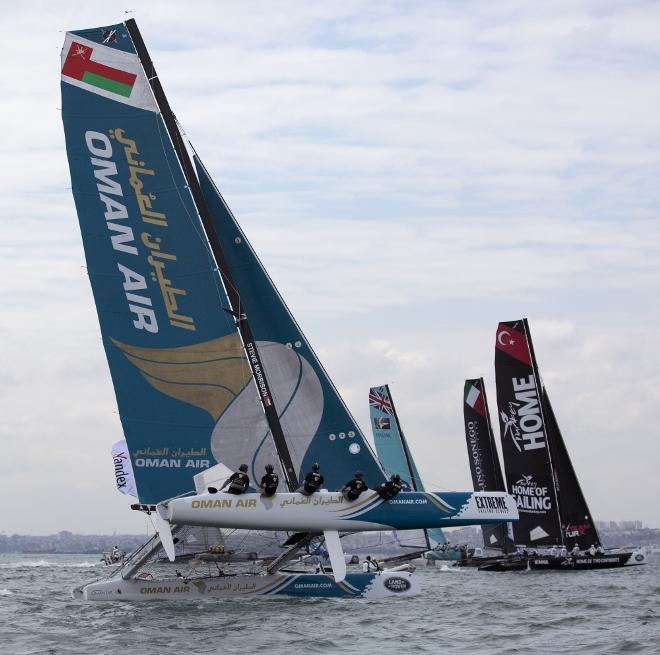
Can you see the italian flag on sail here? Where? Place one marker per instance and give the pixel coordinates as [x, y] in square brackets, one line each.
[79, 65]
[474, 398]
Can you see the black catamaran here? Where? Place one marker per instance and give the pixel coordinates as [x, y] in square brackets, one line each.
[484, 462]
[554, 515]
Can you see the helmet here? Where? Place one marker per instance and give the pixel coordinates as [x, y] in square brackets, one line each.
[359, 474]
[396, 477]
[243, 467]
[269, 468]
[315, 467]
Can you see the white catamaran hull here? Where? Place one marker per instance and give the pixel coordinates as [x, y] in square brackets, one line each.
[329, 510]
[387, 584]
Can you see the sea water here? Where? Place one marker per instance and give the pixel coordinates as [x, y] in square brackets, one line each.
[459, 611]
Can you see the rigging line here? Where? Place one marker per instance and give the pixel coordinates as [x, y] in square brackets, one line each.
[194, 221]
[297, 328]
[186, 139]
[435, 486]
[229, 283]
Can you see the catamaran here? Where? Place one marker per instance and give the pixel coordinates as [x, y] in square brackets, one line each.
[485, 470]
[396, 457]
[554, 516]
[209, 367]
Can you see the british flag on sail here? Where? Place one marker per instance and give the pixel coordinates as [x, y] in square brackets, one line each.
[381, 402]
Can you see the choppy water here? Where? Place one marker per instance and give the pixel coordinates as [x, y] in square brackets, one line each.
[459, 611]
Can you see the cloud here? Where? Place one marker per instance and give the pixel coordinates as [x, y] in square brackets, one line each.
[410, 175]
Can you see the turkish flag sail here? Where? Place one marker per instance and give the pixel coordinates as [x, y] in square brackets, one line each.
[523, 432]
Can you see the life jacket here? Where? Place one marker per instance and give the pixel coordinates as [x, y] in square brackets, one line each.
[269, 482]
[354, 488]
[389, 489]
[239, 482]
[313, 481]
[393, 487]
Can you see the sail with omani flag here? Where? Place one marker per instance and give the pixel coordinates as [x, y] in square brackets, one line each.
[174, 278]
[175, 356]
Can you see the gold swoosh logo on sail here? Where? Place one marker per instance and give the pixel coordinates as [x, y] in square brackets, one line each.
[208, 375]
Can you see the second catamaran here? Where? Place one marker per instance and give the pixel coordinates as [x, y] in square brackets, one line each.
[396, 458]
[554, 516]
[484, 464]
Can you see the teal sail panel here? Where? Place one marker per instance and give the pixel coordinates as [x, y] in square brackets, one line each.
[174, 354]
[389, 441]
[391, 446]
[317, 425]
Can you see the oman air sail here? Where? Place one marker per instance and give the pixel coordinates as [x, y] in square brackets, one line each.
[209, 367]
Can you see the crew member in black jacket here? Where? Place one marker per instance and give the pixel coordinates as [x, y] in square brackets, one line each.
[269, 482]
[390, 488]
[353, 488]
[238, 482]
[313, 481]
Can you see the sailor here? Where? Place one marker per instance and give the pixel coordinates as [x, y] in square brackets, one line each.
[553, 551]
[371, 565]
[353, 488]
[592, 549]
[269, 482]
[313, 481]
[389, 488]
[576, 550]
[600, 550]
[115, 556]
[563, 552]
[238, 482]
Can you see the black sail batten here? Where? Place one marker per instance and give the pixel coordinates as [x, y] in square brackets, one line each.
[482, 454]
[249, 344]
[577, 522]
[412, 469]
[523, 433]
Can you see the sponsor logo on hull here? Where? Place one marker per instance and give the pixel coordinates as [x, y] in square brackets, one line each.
[396, 584]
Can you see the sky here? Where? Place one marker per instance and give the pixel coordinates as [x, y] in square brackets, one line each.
[410, 173]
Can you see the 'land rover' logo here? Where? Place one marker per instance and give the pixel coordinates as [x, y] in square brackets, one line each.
[397, 584]
[639, 557]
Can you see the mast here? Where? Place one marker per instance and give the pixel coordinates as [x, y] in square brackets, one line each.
[541, 393]
[409, 460]
[242, 324]
[404, 444]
